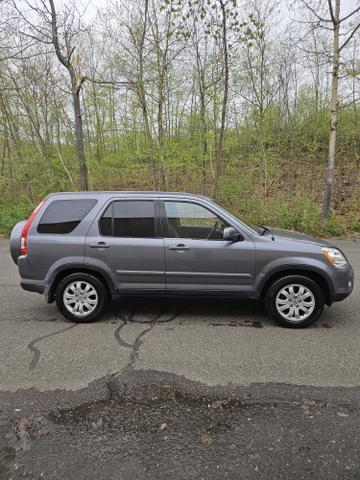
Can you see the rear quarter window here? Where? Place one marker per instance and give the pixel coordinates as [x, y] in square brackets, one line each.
[63, 216]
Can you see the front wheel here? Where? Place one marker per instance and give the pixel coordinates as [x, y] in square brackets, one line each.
[295, 301]
[81, 297]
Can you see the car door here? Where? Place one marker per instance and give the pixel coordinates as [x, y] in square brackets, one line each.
[197, 259]
[126, 242]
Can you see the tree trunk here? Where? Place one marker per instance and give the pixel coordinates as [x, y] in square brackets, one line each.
[160, 137]
[220, 144]
[203, 136]
[334, 114]
[79, 134]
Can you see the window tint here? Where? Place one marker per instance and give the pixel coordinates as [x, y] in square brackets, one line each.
[105, 221]
[62, 216]
[129, 219]
[189, 220]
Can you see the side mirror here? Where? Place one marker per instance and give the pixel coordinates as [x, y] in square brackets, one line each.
[230, 234]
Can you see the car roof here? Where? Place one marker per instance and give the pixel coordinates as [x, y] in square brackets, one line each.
[154, 194]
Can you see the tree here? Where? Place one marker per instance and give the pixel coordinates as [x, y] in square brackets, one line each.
[221, 20]
[65, 58]
[260, 71]
[47, 32]
[334, 23]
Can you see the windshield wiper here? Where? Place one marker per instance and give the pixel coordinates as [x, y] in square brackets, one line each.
[266, 229]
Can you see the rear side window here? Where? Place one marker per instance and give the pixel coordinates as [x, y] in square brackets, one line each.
[129, 219]
[62, 216]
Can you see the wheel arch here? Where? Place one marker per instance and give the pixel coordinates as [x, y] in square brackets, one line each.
[103, 277]
[315, 275]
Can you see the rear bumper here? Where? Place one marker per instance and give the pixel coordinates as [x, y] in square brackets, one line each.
[33, 286]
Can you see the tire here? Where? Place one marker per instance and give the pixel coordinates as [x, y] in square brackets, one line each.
[295, 296]
[81, 297]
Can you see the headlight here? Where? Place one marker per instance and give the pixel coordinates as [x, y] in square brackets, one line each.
[334, 256]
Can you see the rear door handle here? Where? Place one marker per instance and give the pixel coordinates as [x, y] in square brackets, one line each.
[180, 247]
[99, 245]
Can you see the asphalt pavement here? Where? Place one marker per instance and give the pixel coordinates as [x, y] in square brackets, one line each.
[215, 342]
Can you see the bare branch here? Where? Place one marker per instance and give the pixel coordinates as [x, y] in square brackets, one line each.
[70, 54]
[349, 37]
[350, 14]
[55, 35]
[333, 19]
[309, 7]
[37, 39]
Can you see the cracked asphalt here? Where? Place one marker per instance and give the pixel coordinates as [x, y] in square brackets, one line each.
[177, 389]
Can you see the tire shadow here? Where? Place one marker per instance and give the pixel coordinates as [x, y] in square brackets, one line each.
[212, 311]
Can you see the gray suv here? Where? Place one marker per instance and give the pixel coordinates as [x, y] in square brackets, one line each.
[83, 249]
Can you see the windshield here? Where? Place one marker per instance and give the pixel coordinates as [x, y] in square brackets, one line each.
[254, 228]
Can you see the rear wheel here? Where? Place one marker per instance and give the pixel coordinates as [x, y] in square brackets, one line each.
[81, 297]
[295, 301]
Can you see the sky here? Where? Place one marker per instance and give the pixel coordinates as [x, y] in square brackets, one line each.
[91, 6]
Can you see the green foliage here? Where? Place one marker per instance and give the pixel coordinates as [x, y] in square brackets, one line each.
[298, 213]
[12, 211]
[273, 176]
[354, 225]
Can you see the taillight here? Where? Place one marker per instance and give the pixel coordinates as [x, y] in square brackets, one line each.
[24, 233]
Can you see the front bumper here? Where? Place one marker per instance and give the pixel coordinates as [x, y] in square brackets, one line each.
[343, 284]
[339, 297]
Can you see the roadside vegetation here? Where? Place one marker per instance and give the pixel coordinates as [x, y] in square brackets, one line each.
[218, 98]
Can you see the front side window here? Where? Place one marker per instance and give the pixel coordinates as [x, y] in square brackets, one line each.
[63, 216]
[129, 219]
[189, 220]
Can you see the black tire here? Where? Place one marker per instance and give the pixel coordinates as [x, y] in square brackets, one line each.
[279, 284]
[101, 296]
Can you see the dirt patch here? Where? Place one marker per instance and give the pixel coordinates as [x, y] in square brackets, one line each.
[167, 433]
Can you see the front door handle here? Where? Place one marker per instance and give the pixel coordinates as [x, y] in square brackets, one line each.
[99, 245]
[180, 247]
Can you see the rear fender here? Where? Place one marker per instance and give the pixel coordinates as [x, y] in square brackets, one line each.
[74, 264]
[15, 240]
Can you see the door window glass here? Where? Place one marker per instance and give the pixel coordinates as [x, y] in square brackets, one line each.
[189, 220]
[129, 219]
[106, 222]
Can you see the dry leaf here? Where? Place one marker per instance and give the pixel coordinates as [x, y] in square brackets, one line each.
[24, 422]
[219, 403]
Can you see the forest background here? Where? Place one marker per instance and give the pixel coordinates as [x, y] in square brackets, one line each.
[254, 103]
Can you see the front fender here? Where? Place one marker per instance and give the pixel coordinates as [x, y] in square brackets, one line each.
[290, 265]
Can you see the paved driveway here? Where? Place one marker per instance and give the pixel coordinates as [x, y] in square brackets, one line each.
[214, 342]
